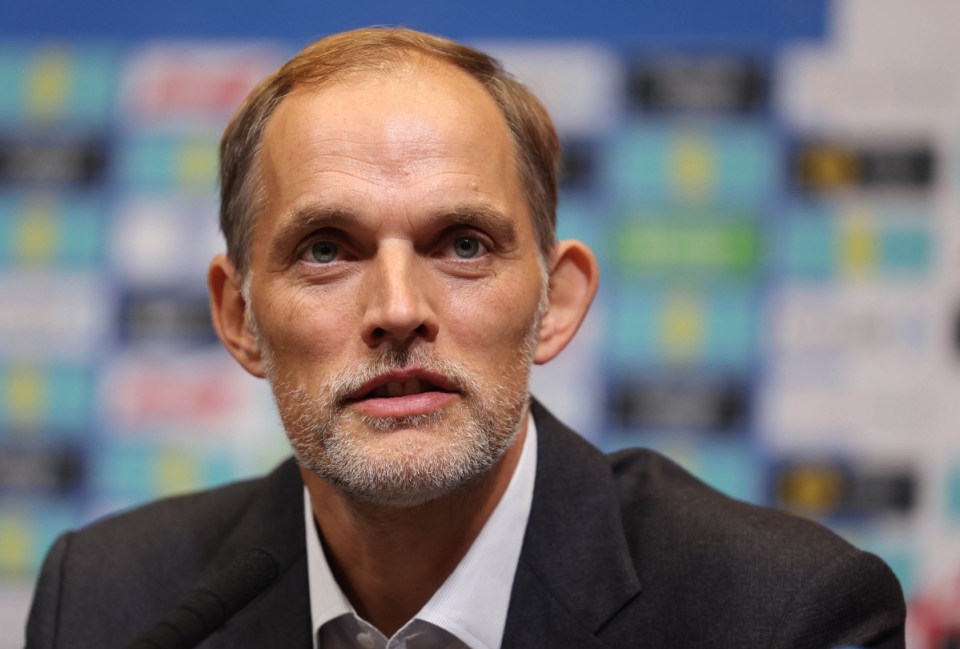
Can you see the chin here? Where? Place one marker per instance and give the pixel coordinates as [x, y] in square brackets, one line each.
[403, 466]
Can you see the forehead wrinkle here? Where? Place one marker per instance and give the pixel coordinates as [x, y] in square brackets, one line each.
[385, 168]
[402, 156]
[405, 136]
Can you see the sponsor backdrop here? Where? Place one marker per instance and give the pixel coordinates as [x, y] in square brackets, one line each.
[773, 190]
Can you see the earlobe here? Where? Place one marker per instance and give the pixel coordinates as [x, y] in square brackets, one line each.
[228, 310]
[574, 277]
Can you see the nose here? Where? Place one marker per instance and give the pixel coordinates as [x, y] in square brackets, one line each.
[397, 305]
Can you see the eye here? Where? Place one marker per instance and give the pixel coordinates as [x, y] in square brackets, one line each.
[467, 247]
[322, 252]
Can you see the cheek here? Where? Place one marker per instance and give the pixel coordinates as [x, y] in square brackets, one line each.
[493, 321]
[307, 326]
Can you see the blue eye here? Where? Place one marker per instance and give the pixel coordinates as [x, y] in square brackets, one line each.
[466, 247]
[323, 252]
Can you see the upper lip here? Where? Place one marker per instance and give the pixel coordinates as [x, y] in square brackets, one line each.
[436, 380]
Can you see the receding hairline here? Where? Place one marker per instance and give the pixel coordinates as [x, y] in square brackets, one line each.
[535, 143]
[410, 62]
[398, 58]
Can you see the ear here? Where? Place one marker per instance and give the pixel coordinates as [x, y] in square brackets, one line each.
[574, 276]
[228, 310]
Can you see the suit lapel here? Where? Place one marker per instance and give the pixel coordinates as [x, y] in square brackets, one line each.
[279, 617]
[575, 569]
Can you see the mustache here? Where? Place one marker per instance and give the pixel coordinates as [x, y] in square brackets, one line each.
[348, 381]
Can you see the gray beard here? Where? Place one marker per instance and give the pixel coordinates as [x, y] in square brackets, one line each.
[357, 454]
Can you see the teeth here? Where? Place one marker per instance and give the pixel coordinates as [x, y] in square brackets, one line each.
[400, 388]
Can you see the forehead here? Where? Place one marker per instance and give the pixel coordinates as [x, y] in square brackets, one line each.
[411, 103]
[421, 128]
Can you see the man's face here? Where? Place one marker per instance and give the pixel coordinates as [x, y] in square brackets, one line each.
[396, 285]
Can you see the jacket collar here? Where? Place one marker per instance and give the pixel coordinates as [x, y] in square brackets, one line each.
[575, 571]
[280, 616]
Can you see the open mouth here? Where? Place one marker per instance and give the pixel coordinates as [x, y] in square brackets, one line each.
[403, 383]
[402, 389]
[405, 393]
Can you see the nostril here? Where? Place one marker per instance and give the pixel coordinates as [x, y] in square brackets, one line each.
[377, 335]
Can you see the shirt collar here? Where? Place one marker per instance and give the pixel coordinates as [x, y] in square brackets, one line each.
[472, 603]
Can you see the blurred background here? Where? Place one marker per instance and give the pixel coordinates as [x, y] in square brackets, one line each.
[772, 186]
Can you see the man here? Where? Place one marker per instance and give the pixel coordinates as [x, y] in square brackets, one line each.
[388, 202]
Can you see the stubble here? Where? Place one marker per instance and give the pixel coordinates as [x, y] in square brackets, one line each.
[404, 461]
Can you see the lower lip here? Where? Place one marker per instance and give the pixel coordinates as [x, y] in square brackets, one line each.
[409, 406]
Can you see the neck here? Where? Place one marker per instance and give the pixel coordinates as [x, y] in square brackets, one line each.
[389, 561]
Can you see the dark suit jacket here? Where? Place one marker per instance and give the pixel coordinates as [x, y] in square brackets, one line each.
[625, 550]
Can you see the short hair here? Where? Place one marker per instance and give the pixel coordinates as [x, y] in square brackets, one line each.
[537, 147]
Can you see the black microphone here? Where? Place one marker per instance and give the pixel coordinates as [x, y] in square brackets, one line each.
[208, 606]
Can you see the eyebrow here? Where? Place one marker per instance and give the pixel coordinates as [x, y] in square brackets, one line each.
[482, 216]
[306, 217]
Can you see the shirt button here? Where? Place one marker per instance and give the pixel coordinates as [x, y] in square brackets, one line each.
[365, 640]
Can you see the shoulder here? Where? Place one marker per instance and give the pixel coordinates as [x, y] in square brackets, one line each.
[179, 525]
[115, 574]
[652, 486]
[709, 570]
[162, 539]
[805, 579]
[215, 508]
